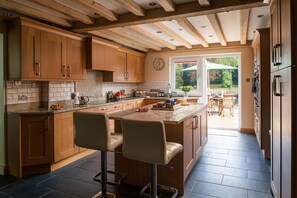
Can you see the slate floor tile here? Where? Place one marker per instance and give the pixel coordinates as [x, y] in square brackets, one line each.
[259, 175]
[5, 180]
[219, 190]
[225, 171]
[228, 157]
[246, 153]
[248, 166]
[57, 194]
[72, 187]
[246, 184]
[254, 194]
[212, 161]
[3, 195]
[214, 150]
[198, 166]
[25, 189]
[189, 184]
[90, 165]
[39, 178]
[195, 195]
[207, 177]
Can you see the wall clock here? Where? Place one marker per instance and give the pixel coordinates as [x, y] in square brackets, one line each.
[159, 64]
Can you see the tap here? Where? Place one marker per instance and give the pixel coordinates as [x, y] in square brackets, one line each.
[169, 90]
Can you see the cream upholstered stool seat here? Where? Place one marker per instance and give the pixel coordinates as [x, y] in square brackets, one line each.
[92, 131]
[145, 141]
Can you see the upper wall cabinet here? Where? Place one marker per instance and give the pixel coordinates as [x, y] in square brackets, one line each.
[40, 52]
[101, 54]
[128, 67]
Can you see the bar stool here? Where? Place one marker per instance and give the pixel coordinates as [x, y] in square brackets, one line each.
[145, 141]
[92, 132]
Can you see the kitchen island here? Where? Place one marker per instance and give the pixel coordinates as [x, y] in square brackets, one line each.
[187, 126]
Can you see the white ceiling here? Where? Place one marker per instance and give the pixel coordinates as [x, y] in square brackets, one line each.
[229, 21]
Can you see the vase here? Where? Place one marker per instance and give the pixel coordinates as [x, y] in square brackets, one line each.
[186, 94]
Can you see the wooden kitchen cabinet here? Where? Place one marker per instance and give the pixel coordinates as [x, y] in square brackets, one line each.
[40, 52]
[189, 153]
[128, 105]
[64, 136]
[29, 144]
[101, 54]
[128, 67]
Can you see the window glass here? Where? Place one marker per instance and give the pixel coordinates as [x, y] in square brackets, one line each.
[186, 74]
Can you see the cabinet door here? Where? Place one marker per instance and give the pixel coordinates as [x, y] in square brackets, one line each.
[120, 67]
[75, 59]
[276, 143]
[275, 35]
[204, 130]
[189, 153]
[138, 103]
[285, 8]
[197, 136]
[131, 68]
[31, 61]
[64, 136]
[140, 69]
[36, 140]
[53, 57]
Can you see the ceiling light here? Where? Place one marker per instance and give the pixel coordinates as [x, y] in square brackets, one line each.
[260, 16]
[152, 4]
[171, 39]
[210, 36]
[159, 32]
[203, 26]
[179, 29]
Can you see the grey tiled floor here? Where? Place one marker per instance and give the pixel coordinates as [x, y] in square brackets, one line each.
[230, 167]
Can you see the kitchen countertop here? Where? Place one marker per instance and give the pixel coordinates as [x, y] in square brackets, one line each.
[176, 116]
[91, 104]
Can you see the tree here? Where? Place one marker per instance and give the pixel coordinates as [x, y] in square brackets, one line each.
[179, 75]
[226, 79]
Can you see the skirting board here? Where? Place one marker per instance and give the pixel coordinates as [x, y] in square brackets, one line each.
[247, 130]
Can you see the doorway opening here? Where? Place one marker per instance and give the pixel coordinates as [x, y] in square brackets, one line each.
[215, 80]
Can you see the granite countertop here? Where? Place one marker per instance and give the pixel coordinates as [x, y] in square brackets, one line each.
[176, 116]
[91, 104]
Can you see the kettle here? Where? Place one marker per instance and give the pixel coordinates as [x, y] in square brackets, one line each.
[83, 100]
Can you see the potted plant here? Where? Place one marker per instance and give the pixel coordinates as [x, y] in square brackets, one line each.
[186, 89]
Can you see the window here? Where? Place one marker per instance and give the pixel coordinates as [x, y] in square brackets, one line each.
[186, 72]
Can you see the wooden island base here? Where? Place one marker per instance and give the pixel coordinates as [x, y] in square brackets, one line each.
[191, 132]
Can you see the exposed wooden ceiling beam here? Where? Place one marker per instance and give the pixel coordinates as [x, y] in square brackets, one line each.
[244, 23]
[185, 24]
[136, 39]
[171, 33]
[204, 2]
[65, 10]
[168, 5]
[106, 34]
[145, 33]
[21, 8]
[99, 9]
[132, 7]
[213, 19]
[156, 15]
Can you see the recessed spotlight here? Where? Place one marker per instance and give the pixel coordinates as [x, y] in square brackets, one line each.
[210, 36]
[179, 29]
[159, 32]
[254, 31]
[171, 39]
[203, 26]
[260, 15]
[152, 4]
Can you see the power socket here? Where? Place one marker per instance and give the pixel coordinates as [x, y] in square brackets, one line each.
[22, 97]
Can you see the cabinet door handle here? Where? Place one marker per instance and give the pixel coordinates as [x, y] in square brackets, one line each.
[64, 70]
[37, 69]
[127, 75]
[68, 71]
[276, 85]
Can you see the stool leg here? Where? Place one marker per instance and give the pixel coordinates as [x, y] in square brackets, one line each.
[153, 180]
[103, 173]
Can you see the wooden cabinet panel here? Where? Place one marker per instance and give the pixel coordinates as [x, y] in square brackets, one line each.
[138, 103]
[189, 153]
[53, 56]
[75, 59]
[140, 73]
[31, 59]
[197, 136]
[131, 67]
[203, 127]
[275, 35]
[36, 140]
[64, 136]
[152, 101]
[128, 105]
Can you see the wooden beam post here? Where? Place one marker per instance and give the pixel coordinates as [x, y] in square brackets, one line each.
[204, 3]
[213, 19]
[133, 7]
[168, 5]
[244, 23]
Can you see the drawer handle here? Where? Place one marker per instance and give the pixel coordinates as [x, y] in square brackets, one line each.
[64, 70]
[103, 109]
[37, 69]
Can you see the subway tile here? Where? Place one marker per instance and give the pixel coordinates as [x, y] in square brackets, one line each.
[225, 170]
[219, 190]
[246, 183]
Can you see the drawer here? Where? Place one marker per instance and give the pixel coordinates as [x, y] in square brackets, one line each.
[104, 109]
[128, 105]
